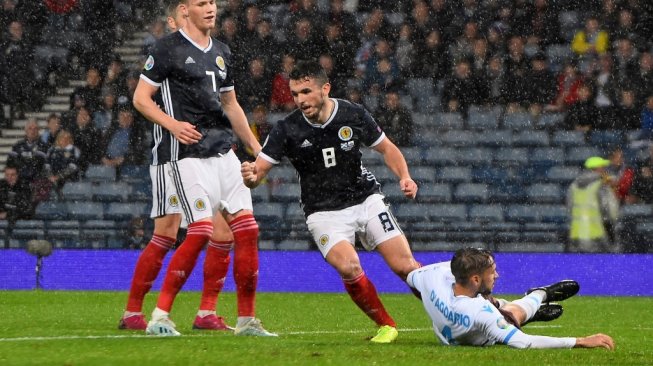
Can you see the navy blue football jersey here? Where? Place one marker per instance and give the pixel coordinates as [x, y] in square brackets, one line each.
[327, 157]
[191, 79]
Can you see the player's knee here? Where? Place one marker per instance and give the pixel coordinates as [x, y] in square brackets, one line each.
[404, 267]
[349, 269]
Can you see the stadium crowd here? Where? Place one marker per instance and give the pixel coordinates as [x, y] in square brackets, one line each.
[589, 62]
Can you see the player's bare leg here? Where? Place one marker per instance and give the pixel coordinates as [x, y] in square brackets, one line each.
[397, 254]
[344, 259]
[147, 269]
[245, 232]
[216, 265]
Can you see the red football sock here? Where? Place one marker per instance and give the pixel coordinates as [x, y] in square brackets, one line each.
[363, 292]
[245, 230]
[183, 262]
[147, 268]
[216, 265]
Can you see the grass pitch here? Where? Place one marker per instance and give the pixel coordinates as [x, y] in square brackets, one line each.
[79, 328]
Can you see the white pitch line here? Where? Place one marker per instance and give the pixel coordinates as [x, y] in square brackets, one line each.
[133, 336]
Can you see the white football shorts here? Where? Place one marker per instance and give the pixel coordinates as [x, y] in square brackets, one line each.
[164, 194]
[372, 220]
[210, 185]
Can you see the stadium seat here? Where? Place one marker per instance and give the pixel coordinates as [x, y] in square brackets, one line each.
[509, 192]
[556, 214]
[51, 211]
[459, 138]
[544, 193]
[637, 212]
[413, 155]
[434, 193]
[447, 213]
[286, 192]
[111, 192]
[283, 173]
[383, 174]
[411, 212]
[522, 213]
[550, 121]
[422, 174]
[294, 244]
[141, 191]
[85, 211]
[134, 173]
[496, 138]
[510, 156]
[517, 121]
[369, 157]
[530, 139]
[547, 156]
[607, 140]
[28, 234]
[578, 155]
[261, 193]
[100, 173]
[475, 156]
[449, 121]
[426, 138]
[562, 174]
[453, 174]
[77, 191]
[125, 211]
[392, 192]
[272, 212]
[486, 213]
[478, 120]
[421, 90]
[471, 192]
[29, 224]
[490, 175]
[438, 156]
[568, 138]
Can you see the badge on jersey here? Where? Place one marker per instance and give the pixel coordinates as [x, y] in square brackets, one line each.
[200, 205]
[173, 200]
[502, 323]
[219, 61]
[324, 240]
[149, 63]
[345, 133]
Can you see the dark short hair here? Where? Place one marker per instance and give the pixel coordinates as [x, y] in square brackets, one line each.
[468, 262]
[309, 69]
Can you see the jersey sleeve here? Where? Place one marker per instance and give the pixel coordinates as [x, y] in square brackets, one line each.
[415, 278]
[228, 82]
[498, 330]
[373, 132]
[274, 147]
[155, 70]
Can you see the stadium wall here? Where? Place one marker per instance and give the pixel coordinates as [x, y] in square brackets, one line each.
[295, 271]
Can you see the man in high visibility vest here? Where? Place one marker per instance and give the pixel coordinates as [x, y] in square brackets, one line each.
[593, 209]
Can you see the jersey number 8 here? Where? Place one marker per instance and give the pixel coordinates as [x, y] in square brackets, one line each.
[329, 155]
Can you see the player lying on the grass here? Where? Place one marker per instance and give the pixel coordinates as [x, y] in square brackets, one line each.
[453, 294]
[340, 198]
[166, 212]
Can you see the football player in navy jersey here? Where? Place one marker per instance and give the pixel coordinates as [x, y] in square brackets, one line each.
[201, 113]
[339, 196]
[166, 213]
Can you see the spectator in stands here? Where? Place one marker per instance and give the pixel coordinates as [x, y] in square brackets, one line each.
[463, 45]
[626, 28]
[16, 75]
[541, 85]
[103, 117]
[53, 128]
[136, 238]
[396, 120]
[381, 70]
[516, 69]
[123, 141]
[336, 79]
[590, 42]
[646, 131]
[252, 16]
[620, 175]
[429, 61]
[461, 89]
[642, 188]
[15, 197]
[582, 115]
[643, 81]
[91, 92]
[441, 13]
[115, 80]
[62, 161]
[156, 30]
[626, 115]
[263, 46]
[626, 61]
[606, 90]
[341, 49]
[543, 26]
[405, 49]
[494, 80]
[479, 58]
[281, 99]
[305, 39]
[255, 88]
[87, 138]
[569, 81]
[593, 210]
[345, 22]
[28, 155]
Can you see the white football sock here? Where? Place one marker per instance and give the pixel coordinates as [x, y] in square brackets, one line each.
[531, 303]
[242, 320]
[159, 314]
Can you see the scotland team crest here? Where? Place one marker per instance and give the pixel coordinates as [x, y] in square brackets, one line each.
[200, 205]
[149, 63]
[324, 240]
[345, 133]
[173, 200]
[219, 61]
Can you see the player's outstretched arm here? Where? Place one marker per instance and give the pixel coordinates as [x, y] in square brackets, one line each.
[395, 160]
[143, 102]
[238, 120]
[254, 173]
[595, 341]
